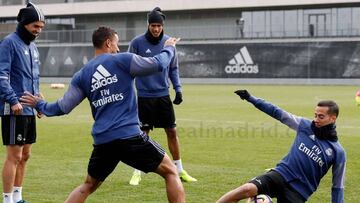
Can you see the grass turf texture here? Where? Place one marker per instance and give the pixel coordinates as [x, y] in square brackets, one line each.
[225, 142]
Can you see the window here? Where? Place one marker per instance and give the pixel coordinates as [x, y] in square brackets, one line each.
[355, 24]
[277, 24]
[291, 23]
[344, 21]
[259, 24]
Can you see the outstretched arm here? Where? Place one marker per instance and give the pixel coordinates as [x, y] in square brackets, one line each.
[72, 97]
[291, 120]
[147, 65]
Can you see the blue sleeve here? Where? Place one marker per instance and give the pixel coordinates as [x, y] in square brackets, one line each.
[131, 48]
[72, 97]
[338, 171]
[6, 91]
[145, 66]
[337, 195]
[174, 74]
[49, 109]
[38, 81]
[291, 120]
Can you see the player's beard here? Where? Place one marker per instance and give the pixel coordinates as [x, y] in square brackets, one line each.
[154, 40]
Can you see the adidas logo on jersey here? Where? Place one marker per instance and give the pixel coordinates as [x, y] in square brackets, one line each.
[148, 51]
[102, 78]
[242, 63]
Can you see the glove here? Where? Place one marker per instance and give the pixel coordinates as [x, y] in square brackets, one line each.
[243, 94]
[178, 98]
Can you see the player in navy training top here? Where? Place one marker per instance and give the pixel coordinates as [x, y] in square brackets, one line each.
[107, 81]
[19, 72]
[315, 149]
[155, 107]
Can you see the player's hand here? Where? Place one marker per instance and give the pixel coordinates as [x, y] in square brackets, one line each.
[39, 114]
[178, 98]
[30, 100]
[243, 94]
[171, 41]
[17, 109]
[250, 199]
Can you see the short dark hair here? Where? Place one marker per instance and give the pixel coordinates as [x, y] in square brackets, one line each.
[101, 34]
[333, 107]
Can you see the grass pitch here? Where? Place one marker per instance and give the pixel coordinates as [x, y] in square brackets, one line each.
[225, 142]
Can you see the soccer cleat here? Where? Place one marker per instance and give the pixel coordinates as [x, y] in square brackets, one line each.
[185, 177]
[22, 201]
[135, 179]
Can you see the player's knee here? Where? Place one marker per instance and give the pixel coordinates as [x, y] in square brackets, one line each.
[25, 156]
[172, 170]
[171, 132]
[14, 158]
[249, 189]
[166, 168]
[89, 186]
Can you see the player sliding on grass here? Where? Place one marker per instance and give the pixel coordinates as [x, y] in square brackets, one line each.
[107, 82]
[314, 151]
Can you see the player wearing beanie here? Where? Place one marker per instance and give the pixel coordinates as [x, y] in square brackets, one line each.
[19, 72]
[155, 107]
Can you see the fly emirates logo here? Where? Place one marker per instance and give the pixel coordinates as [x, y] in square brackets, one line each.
[102, 78]
[314, 153]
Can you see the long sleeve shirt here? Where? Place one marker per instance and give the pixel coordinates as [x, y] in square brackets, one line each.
[19, 72]
[155, 85]
[309, 158]
[107, 82]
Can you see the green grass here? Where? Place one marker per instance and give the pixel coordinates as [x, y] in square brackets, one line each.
[224, 143]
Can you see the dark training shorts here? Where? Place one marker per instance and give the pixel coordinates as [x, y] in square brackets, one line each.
[18, 130]
[274, 185]
[156, 112]
[139, 152]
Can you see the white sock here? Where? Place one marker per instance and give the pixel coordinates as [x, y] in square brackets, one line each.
[8, 197]
[136, 171]
[17, 196]
[178, 165]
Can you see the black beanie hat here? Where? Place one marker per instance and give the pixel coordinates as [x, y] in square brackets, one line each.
[156, 16]
[30, 14]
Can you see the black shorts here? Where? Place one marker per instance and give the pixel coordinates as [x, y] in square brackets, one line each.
[274, 185]
[156, 112]
[139, 152]
[18, 130]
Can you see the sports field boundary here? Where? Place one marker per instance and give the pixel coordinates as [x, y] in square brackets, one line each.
[255, 81]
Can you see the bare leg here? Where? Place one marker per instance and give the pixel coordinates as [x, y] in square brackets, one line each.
[21, 168]
[79, 194]
[146, 132]
[13, 157]
[173, 143]
[174, 188]
[245, 191]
